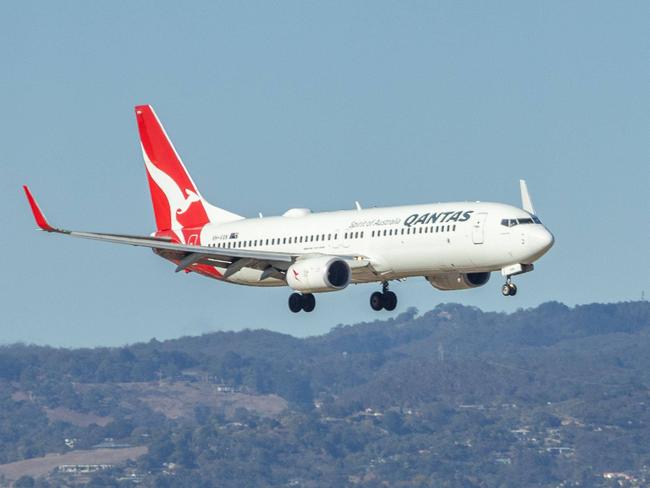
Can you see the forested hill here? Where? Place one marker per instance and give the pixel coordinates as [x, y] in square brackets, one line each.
[451, 397]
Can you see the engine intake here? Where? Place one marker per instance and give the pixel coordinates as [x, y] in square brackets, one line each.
[458, 281]
[318, 274]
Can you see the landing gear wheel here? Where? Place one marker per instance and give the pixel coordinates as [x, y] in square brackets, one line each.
[390, 301]
[509, 289]
[308, 302]
[295, 302]
[383, 299]
[377, 301]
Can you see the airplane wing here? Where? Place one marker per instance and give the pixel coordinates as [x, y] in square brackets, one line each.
[186, 255]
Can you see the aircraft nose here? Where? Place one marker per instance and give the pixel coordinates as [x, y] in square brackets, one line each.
[541, 240]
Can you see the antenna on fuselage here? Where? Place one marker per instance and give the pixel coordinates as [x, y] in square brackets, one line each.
[526, 202]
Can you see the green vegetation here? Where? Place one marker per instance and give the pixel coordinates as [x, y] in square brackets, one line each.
[452, 398]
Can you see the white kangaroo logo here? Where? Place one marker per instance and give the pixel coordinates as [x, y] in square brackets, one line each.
[178, 202]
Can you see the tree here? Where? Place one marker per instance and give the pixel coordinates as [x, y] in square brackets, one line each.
[24, 482]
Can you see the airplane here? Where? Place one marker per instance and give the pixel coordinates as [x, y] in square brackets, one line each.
[454, 246]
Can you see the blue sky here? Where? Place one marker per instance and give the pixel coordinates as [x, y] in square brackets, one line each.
[274, 105]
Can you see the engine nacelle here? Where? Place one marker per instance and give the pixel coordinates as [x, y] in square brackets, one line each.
[458, 281]
[319, 274]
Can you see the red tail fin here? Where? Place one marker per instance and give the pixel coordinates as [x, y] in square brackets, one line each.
[177, 202]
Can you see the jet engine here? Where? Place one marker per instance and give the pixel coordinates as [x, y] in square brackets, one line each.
[458, 281]
[318, 274]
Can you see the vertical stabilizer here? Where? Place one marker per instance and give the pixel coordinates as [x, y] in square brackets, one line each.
[176, 200]
[526, 202]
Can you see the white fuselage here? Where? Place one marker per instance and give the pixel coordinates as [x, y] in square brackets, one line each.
[413, 240]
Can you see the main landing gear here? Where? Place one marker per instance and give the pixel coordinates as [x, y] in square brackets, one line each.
[298, 302]
[383, 299]
[509, 289]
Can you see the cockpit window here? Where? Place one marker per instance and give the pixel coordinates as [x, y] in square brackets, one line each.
[513, 222]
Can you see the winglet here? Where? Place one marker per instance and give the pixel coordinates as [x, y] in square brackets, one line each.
[41, 221]
[526, 202]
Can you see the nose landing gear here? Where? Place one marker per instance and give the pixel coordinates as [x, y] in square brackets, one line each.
[383, 299]
[509, 289]
[298, 302]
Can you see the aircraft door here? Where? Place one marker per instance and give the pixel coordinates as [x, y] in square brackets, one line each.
[478, 230]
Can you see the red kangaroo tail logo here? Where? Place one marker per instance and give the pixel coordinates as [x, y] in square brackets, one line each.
[176, 201]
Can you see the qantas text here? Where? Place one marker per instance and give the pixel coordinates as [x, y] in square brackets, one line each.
[438, 217]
